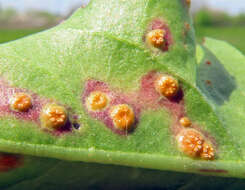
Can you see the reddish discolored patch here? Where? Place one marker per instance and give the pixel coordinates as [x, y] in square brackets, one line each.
[208, 82]
[9, 162]
[115, 98]
[213, 171]
[150, 98]
[146, 97]
[7, 91]
[160, 24]
[208, 62]
[33, 114]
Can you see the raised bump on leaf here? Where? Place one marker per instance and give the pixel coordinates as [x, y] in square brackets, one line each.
[97, 101]
[21, 102]
[167, 86]
[156, 37]
[123, 116]
[53, 116]
[190, 142]
[208, 152]
[115, 98]
[9, 96]
[185, 122]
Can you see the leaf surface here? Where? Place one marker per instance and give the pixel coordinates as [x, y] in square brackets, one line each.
[102, 46]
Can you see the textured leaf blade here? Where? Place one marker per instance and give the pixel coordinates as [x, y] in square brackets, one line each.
[57, 64]
[231, 111]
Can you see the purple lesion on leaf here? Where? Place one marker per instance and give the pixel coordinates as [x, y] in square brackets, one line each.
[150, 98]
[7, 92]
[115, 98]
[147, 97]
[33, 114]
[159, 24]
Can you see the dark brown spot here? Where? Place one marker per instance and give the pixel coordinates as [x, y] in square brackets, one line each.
[208, 82]
[208, 62]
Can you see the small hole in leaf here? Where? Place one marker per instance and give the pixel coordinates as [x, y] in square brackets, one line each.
[76, 125]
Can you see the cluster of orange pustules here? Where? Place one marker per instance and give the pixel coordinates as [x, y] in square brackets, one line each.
[192, 143]
[52, 116]
[122, 115]
[156, 38]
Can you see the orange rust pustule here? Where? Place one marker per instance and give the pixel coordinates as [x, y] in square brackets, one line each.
[123, 116]
[185, 122]
[208, 152]
[190, 142]
[53, 116]
[115, 98]
[97, 101]
[167, 86]
[158, 35]
[21, 102]
[9, 162]
[156, 38]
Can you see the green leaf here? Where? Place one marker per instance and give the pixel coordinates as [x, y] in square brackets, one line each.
[103, 47]
[226, 95]
[77, 175]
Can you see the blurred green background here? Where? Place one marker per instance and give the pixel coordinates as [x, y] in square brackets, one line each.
[224, 24]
